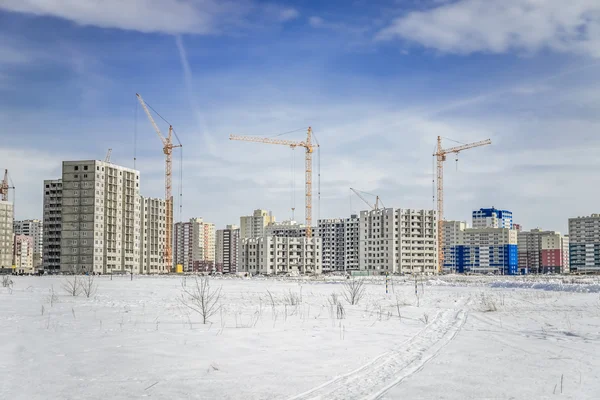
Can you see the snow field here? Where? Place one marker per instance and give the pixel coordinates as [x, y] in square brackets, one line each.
[135, 339]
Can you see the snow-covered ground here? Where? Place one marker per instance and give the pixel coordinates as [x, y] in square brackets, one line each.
[464, 337]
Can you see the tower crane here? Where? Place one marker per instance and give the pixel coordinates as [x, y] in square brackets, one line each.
[309, 147]
[4, 186]
[108, 153]
[377, 199]
[440, 154]
[168, 147]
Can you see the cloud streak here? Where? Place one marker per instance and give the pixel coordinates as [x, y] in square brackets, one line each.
[469, 26]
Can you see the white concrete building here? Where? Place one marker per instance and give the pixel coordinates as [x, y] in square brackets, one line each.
[332, 234]
[52, 225]
[270, 255]
[565, 253]
[228, 249]
[398, 240]
[24, 254]
[488, 250]
[35, 229]
[6, 234]
[287, 228]
[351, 243]
[253, 226]
[194, 245]
[100, 217]
[451, 238]
[584, 244]
[152, 236]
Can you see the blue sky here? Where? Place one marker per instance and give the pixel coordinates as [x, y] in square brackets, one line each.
[377, 80]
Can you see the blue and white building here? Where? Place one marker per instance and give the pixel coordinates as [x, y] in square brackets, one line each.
[492, 218]
[488, 250]
[452, 231]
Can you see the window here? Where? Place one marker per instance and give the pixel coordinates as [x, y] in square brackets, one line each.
[85, 167]
[76, 168]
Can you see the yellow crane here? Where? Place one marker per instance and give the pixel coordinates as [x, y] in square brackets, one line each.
[440, 154]
[309, 147]
[377, 199]
[4, 186]
[168, 147]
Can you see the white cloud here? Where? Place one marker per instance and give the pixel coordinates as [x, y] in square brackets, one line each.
[468, 26]
[166, 16]
[315, 21]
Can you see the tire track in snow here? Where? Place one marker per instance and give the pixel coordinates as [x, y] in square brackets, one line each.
[375, 378]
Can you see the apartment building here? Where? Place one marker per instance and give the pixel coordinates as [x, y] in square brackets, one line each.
[228, 249]
[492, 218]
[398, 240]
[452, 231]
[541, 251]
[351, 243]
[195, 245]
[253, 226]
[6, 234]
[270, 255]
[332, 233]
[100, 218]
[35, 229]
[287, 228]
[52, 225]
[152, 236]
[488, 250]
[566, 254]
[24, 247]
[584, 244]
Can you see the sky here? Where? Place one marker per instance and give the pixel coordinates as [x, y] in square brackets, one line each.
[378, 81]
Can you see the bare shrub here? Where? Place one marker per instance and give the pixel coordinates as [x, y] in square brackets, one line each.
[354, 291]
[88, 286]
[487, 304]
[425, 318]
[52, 297]
[72, 285]
[341, 312]
[201, 298]
[293, 298]
[7, 282]
[333, 299]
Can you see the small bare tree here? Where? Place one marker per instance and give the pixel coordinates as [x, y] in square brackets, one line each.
[89, 286]
[72, 285]
[52, 297]
[7, 281]
[201, 298]
[354, 291]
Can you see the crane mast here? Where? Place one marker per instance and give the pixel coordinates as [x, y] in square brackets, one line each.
[168, 147]
[440, 155]
[377, 199]
[309, 148]
[4, 186]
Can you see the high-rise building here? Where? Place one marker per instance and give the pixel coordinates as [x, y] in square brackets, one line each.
[565, 251]
[52, 225]
[541, 251]
[332, 234]
[100, 217]
[488, 250]
[253, 226]
[35, 229]
[517, 227]
[270, 255]
[452, 236]
[6, 235]
[228, 249]
[195, 245]
[24, 254]
[351, 243]
[492, 218]
[398, 240]
[152, 236]
[584, 243]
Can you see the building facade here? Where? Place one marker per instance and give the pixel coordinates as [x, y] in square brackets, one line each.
[492, 218]
[6, 235]
[332, 234]
[584, 244]
[271, 255]
[488, 250]
[541, 252]
[253, 226]
[24, 247]
[195, 245]
[152, 236]
[228, 249]
[100, 218]
[398, 240]
[286, 229]
[52, 225]
[452, 231]
[35, 229]
[566, 254]
[352, 243]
